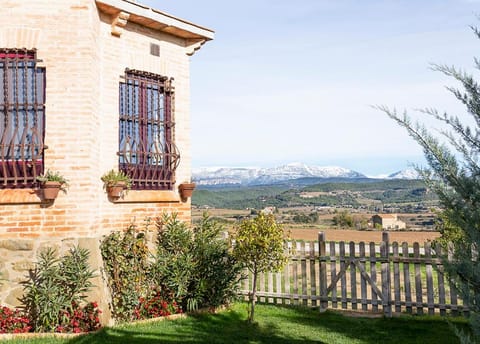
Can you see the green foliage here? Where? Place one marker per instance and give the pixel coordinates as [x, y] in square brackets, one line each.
[174, 262]
[304, 218]
[239, 197]
[191, 266]
[50, 176]
[450, 232]
[112, 177]
[454, 175]
[343, 219]
[195, 265]
[260, 246]
[125, 260]
[218, 273]
[331, 194]
[55, 285]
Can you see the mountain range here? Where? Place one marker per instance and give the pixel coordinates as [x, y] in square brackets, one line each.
[265, 176]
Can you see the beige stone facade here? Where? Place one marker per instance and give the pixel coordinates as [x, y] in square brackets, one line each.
[388, 221]
[85, 47]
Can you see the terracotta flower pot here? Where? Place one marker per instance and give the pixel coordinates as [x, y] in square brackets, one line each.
[51, 189]
[116, 190]
[186, 190]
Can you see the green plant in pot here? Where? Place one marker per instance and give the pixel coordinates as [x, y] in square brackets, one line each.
[116, 182]
[51, 183]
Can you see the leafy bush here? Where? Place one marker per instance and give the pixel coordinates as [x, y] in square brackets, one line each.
[216, 278]
[55, 286]
[13, 321]
[125, 260]
[174, 263]
[304, 218]
[191, 268]
[196, 266]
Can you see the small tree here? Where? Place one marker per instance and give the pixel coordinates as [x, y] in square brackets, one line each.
[260, 246]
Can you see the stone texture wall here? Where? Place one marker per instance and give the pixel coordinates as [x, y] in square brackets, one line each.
[84, 63]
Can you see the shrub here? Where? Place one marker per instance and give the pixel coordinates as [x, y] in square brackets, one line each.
[195, 265]
[174, 263]
[343, 219]
[191, 268]
[125, 260]
[217, 276]
[55, 286]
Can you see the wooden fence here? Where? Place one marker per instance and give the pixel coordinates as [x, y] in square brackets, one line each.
[381, 278]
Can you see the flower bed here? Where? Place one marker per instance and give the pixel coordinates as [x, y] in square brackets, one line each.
[13, 321]
[155, 306]
[77, 319]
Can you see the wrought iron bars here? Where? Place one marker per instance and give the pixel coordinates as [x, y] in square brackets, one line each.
[22, 121]
[147, 152]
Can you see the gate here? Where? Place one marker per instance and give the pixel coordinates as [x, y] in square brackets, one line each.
[373, 291]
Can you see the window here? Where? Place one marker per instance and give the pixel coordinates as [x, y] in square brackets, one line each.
[147, 152]
[22, 118]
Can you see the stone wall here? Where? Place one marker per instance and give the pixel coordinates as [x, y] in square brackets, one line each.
[18, 257]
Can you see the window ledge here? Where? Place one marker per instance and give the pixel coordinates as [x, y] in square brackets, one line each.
[148, 196]
[20, 196]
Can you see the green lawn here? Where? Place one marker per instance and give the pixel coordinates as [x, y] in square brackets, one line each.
[276, 324]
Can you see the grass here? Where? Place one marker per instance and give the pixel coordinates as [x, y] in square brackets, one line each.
[274, 324]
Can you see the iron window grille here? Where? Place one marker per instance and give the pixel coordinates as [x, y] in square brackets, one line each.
[22, 121]
[147, 152]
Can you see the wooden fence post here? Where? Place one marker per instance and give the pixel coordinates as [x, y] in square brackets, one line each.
[323, 272]
[386, 288]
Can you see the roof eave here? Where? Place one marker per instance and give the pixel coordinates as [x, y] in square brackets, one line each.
[156, 20]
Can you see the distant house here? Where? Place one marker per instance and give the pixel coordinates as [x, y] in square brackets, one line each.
[268, 210]
[388, 221]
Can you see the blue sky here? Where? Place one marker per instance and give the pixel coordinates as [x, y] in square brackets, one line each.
[291, 81]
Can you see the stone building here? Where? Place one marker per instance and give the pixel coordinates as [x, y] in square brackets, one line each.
[388, 221]
[87, 86]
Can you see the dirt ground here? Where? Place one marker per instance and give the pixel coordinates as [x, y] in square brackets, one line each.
[366, 236]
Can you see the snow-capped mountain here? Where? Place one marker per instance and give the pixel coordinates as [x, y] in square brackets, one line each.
[409, 173]
[258, 176]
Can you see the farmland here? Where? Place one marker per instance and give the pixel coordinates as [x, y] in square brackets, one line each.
[304, 210]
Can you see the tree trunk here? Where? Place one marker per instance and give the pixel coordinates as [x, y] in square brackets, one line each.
[253, 297]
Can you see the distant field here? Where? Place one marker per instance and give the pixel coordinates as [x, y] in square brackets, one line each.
[309, 232]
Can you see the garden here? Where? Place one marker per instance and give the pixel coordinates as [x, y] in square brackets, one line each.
[183, 287]
[184, 269]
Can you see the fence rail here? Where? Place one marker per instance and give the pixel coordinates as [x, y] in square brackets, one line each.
[381, 278]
